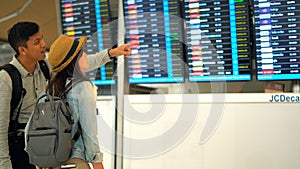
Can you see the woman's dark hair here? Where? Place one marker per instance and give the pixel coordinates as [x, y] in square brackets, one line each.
[19, 34]
[57, 85]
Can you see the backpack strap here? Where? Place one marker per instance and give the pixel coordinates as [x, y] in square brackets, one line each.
[78, 133]
[69, 86]
[18, 92]
[45, 69]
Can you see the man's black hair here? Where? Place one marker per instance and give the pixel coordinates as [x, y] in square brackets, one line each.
[19, 34]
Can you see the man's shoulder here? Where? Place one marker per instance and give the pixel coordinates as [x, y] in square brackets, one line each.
[4, 75]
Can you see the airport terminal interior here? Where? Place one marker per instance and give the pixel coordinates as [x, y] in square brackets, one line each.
[210, 84]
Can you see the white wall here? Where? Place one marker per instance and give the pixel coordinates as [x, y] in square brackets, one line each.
[106, 106]
[211, 131]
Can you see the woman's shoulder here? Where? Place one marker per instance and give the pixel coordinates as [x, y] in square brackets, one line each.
[84, 89]
[85, 84]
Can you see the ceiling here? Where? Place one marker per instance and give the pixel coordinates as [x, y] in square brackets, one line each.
[42, 12]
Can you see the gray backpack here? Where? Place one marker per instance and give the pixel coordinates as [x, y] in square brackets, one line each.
[48, 132]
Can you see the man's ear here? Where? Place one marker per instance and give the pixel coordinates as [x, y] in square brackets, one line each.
[21, 50]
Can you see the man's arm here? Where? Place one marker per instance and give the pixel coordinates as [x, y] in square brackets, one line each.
[5, 97]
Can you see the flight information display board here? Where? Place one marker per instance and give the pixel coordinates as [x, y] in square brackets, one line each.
[90, 18]
[157, 28]
[277, 33]
[218, 40]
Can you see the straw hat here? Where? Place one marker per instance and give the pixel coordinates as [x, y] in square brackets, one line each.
[63, 50]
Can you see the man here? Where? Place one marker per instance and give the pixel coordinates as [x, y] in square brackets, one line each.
[27, 41]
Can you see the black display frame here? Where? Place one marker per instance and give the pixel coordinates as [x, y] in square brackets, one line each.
[157, 80]
[95, 75]
[269, 76]
[223, 78]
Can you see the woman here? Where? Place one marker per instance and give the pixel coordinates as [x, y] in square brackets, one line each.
[68, 61]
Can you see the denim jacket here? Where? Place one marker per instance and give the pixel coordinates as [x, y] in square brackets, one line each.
[82, 100]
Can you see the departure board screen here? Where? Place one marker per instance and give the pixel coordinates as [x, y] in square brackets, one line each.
[217, 40]
[277, 33]
[90, 18]
[157, 28]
